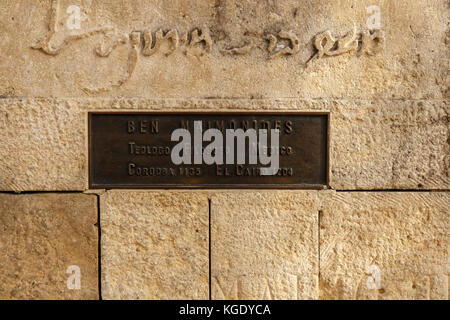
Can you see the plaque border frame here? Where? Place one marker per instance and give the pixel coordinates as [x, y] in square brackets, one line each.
[92, 186]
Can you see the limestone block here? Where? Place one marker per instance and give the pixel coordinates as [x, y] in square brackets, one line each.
[383, 245]
[224, 49]
[390, 145]
[43, 146]
[378, 144]
[48, 242]
[154, 245]
[264, 245]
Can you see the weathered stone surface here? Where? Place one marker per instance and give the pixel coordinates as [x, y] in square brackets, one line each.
[375, 144]
[43, 146]
[400, 238]
[47, 52]
[154, 245]
[41, 236]
[264, 245]
[390, 145]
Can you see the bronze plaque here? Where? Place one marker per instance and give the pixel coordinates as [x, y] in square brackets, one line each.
[135, 150]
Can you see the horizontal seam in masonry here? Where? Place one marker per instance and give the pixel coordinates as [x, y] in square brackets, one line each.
[234, 189]
[42, 192]
[18, 98]
[393, 190]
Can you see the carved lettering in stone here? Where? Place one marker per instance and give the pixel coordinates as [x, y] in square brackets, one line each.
[135, 40]
[327, 45]
[372, 42]
[46, 44]
[103, 50]
[240, 50]
[200, 43]
[291, 49]
[150, 46]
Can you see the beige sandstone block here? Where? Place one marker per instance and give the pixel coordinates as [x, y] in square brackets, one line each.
[264, 245]
[154, 245]
[385, 246]
[41, 236]
[241, 49]
[43, 146]
[390, 145]
[379, 144]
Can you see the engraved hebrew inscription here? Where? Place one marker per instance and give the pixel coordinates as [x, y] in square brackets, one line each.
[196, 42]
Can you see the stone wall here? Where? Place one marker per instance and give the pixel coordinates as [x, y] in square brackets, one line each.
[379, 231]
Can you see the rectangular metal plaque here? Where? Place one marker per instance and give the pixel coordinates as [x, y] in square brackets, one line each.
[134, 150]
